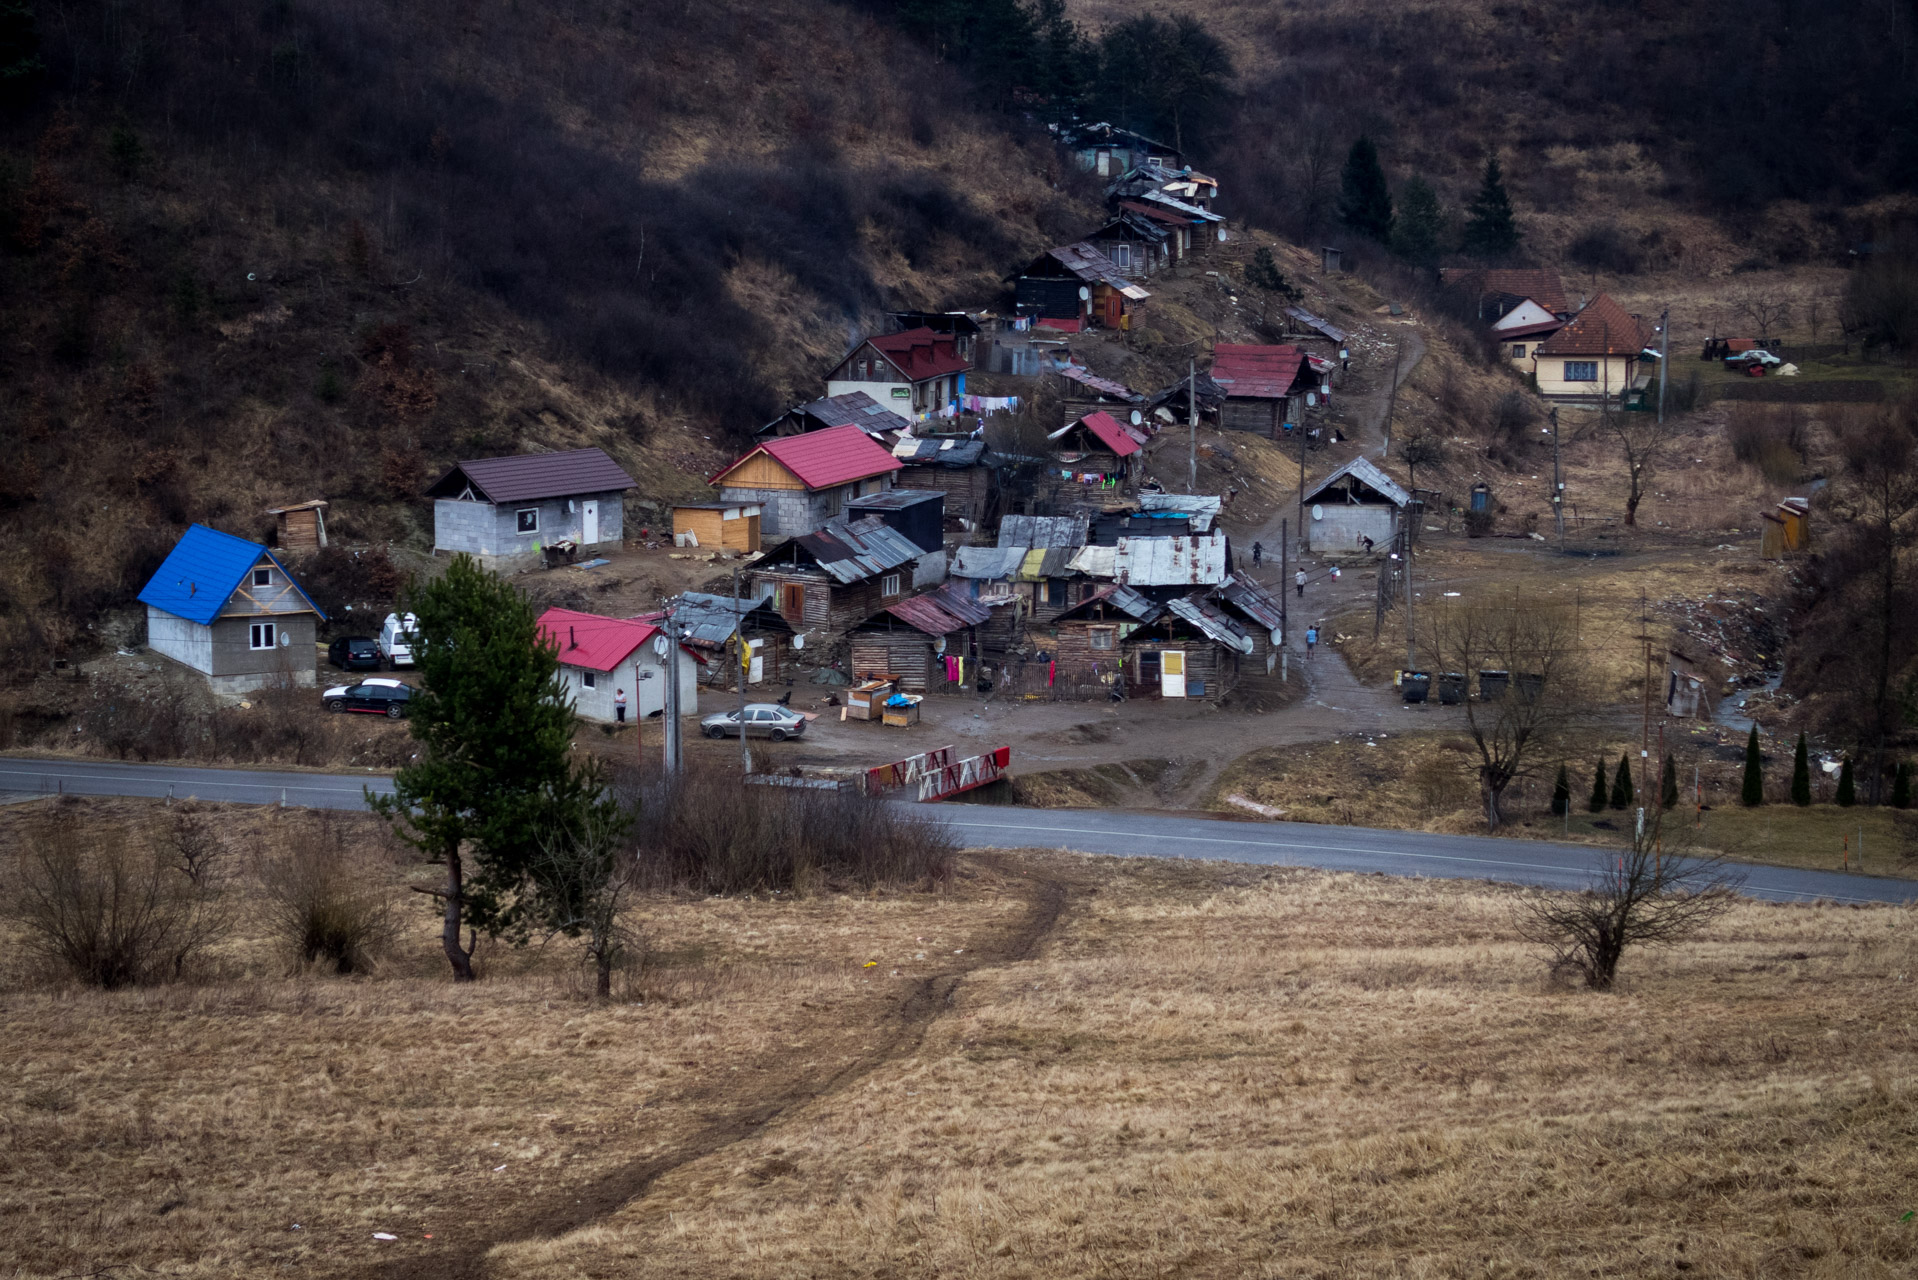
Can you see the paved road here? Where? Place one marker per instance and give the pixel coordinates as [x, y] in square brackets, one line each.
[1363, 849]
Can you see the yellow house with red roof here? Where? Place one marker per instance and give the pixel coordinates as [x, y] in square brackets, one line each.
[1600, 355]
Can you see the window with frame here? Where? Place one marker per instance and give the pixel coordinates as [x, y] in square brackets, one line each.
[1122, 256]
[263, 635]
[589, 679]
[1518, 351]
[1056, 592]
[1581, 371]
[889, 585]
[1104, 639]
[527, 520]
[263, 577]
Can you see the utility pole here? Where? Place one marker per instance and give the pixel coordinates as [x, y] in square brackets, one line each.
[671, 636]
[1192, 421]
[1558, 484]
[1285, 580]
[1645, 732]
[1392, 397]
[1298, 429]
[745, 662]
[1664, 359]
[1406, 541]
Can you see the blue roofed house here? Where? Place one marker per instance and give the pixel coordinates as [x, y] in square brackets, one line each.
[229, 609]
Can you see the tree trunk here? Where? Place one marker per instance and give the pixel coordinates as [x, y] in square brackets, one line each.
[460, 957]
[1492, 793]
[603, 982]
[1631, 502]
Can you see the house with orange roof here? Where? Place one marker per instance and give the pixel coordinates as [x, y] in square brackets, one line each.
[1600, 355]
[915, 372]
[800, 482]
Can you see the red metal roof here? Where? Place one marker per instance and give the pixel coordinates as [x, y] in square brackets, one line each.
[588, 640]
[1264, 373]
[921, 353]
[822, 459]
[1158, 213]
[1603, 328]
[1110, 433]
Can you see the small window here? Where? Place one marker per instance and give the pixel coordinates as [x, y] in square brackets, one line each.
[1103, 638]
[589, 679]
[263, 636]
[889, 585]
[1581, 371]
[528, 520]
[1056, 591]
[1518, 351]
[263, 577]
[1122, 256]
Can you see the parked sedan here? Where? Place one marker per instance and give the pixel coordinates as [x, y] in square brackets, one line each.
[763, 719]
[375, 697]
[1757, 355]
[354, 653]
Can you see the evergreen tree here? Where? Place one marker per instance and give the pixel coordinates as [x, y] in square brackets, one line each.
[1561, 792]
[1419, 225]
[1800, 774]
[1901, 786]
[493, 773]
[1753, 793]
[1847, 789]
[21, 67]
[1597, 802]
[1622, 784]
[1491, 232]
[1365, 202]
[1668, 790]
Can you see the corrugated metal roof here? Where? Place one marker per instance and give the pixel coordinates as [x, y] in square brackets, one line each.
[1191, 210]
[1095, 562]
[1164, 562]
[1042, 531]
[1108, 431]
[854, 409]
[1318, 323]
[986, 563]
[1104, 386]
[1124, 599]
[1254, 601]
[822, 459]
[1088, 264]
[851, 551]
[1258, 372]
[940, 612]
[710, 618]
[945, 452]
[203, 571]
[1047, 562]
[895, 499]
[528, 477]
[1201, 509]
[921, 353]
[591, 641]
[1366, 472]
[1207, 618]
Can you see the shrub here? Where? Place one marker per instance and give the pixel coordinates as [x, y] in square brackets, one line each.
[1479, 523]
[325, 902]
[1772, 438]
[111, 916]
[1603, 247]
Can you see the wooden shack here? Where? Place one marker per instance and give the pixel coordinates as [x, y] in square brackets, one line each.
[302, 526]
[1785, 529]
[909, 640]
[721, 526]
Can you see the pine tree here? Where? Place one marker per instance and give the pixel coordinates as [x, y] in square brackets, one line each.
[1491, 232]
[1365, 202]
[1800, 774]
[1561, 792]
[1847, 789]
[1419, 225]
[1901, 786]
[1597, 803]
[1622, 784]
[1668, 791]
[1753, 793]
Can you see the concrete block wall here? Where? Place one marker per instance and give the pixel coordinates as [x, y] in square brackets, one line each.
[492, 532]
[783, 513]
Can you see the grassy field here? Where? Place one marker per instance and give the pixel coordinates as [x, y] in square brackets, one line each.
[1056, 1066]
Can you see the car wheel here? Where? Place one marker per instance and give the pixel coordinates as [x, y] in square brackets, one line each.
[336, 704]
[715, 730]
[778, 735]
[394, 711]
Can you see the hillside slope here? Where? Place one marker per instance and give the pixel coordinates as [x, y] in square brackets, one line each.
[254, 253]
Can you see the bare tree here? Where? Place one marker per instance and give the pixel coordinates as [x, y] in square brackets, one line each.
[1425, 447]
[1535, 643]
[191, 844]
[1643, 896]
[1768, 312]
[1641, 438]
[586, 873]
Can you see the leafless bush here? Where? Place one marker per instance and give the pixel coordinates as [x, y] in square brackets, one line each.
[1772, 438]
[114, 915]
[191, 844]
[157, 721]
[585, 874]
[708, 831]
[325, 901]
[1509, 427]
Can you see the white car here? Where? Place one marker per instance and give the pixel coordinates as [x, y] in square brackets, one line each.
[397, 636]
[1757, 355]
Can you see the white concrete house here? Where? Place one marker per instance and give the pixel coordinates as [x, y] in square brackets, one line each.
[1356, 502]
[505, 511]
[600, 656]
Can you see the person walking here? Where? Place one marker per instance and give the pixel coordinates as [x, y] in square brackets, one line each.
[1258, 553]
[1299, 578]
[1311, 640]
[619, 706]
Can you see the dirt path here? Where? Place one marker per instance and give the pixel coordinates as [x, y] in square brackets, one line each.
[740, 1117]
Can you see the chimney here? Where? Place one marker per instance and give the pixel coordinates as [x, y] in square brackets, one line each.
[572, 636]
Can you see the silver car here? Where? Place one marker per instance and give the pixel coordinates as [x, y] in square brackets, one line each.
[763, 719]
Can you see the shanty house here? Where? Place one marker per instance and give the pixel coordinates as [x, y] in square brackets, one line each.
[800, 482]
[302, 526]
[1136, 243]
[1260, 383]
[916, 373]
[1088, 638]
[1597, 356]
[827, 581]
[229, 609]
[954, 466]
[1076, 286]
[1086, 392]
[1261, 616]
[1181, 647]
[1108, 150]
[716, 626]
[1095, 461]
[1785, 528]
[854, 409]
[990, 576]
[957, 325]
[505, 510]
[599, 656]
[725, 526]
[1356, 502]
[909, 640]
[1044, 578]
[1150, 563]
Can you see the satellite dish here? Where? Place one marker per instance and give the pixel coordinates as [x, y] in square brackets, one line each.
[1085, 294]
[1221, 235]
[799, 642]
[285, 639]
[1137, 417]
[1318, 512]
[939, 645]
[661, 643]
[1311, 398]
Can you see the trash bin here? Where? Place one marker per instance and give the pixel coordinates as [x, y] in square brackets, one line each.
[1451, 688]
[1415, 685]
[1493, 684]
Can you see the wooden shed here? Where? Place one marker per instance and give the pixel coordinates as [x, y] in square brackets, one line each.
[1785, 529]
[302, 525]
[726, 526]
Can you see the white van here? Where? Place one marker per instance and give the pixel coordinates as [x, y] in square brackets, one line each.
[396, 640]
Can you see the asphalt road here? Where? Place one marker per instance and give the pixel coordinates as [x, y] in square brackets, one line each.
[1126, 834]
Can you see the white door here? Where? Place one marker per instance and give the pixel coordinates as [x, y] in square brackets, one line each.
[589, 521]
[756, 671]
[1172, 673]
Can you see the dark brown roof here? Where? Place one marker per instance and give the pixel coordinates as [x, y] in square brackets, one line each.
[1603, 328]
[529, 476]
[1541, 286]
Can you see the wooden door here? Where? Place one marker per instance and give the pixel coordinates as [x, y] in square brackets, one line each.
[1172, 673]
[756, 671]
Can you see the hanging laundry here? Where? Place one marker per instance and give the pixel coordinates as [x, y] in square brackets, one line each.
[1052, 669]
[962, 671]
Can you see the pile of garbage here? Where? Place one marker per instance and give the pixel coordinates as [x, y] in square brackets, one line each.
[1732, 629]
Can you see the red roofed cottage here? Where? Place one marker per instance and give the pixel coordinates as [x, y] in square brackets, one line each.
[1600, 355]
[600, 656]
[912, 373]
[800, 482]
